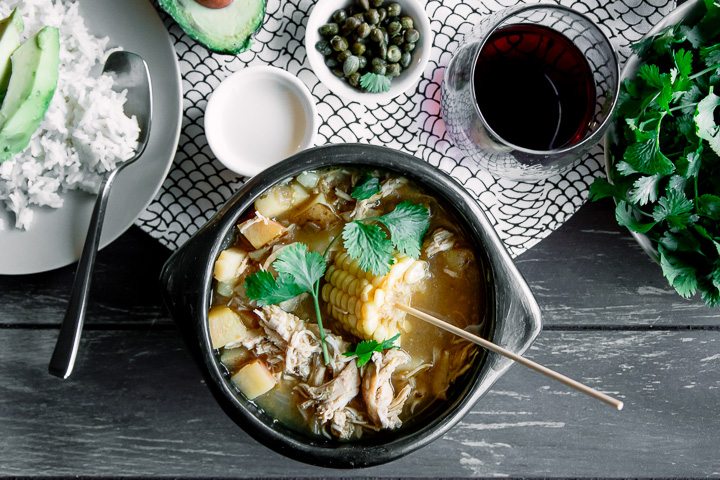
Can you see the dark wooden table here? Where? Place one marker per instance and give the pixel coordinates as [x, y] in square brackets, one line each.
[136, 404]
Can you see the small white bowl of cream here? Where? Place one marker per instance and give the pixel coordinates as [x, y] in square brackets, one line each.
[258, 116]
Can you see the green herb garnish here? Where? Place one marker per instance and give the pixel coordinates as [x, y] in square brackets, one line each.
[369, 187]
[369, 243]
[299, 271]
[364, 350]
[374, 83]
[666, 168]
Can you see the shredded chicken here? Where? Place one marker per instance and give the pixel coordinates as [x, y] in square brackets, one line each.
[291, 335]
[383, 406]
[440, 241]
[329, 400]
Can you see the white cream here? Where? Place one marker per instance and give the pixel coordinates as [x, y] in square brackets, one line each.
[257, 117]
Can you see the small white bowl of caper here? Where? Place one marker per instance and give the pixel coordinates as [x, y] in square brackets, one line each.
[368, 50]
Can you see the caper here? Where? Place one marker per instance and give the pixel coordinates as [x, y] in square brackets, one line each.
[393, 70]
[372, 17]
[339, 16]
[363, 62]
[407, 23]
[363, 30]
[382, 50]
[358, 48]
[324, 47]
[379, 69]
[338, 43]
[397, 40]
[376, 35]
[394, 10]
[378, 61]
[343, 55]
[360, 16]
[351, 65]
[383, 14]
[376, 3]
[405, 60]
[408, 47]
[331, 62]
[354, 79]
[412, 35]
[329, 29]
[352, 10]
[393, 54]
[393, 28]
[349, 25]
[364, 4]
[338, 72]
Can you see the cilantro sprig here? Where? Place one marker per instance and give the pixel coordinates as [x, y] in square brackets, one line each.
[375, 83]
[666, 163]
[364, 350]
[366, 241]
[299, 271]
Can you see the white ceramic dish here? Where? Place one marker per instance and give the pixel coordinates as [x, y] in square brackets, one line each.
[320, 15]
[56, 236]
[258, 116]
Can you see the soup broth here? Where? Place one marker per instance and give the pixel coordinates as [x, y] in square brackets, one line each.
[274, 353]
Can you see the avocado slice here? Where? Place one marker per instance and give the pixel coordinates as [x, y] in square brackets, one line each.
[223, 30]
[32, 84]
[10, 29]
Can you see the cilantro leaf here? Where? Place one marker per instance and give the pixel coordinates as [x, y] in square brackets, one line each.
[709, 205]
[645, 189]
[689, 166]
[704, 119]
[365, 190]
[675, 209]
[679, 274]
[268, 290]
[407, 225]
[625, 217]
[681, 241]
[375, 83]
[601, 188]
[645, 155]
[365, 349]
[304, 267]
[369, 244]
[683, 62]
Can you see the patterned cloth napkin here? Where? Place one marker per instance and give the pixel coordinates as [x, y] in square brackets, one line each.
[522, 213]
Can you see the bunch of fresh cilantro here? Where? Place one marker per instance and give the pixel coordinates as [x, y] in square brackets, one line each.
[666, 163]
[300, 271]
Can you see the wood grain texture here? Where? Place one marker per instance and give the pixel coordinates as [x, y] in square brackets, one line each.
[591, 273]
[136, 406]
[125, 288]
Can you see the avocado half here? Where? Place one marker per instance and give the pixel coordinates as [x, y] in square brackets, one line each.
[223, 30]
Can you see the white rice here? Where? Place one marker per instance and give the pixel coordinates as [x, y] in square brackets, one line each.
[84, 133]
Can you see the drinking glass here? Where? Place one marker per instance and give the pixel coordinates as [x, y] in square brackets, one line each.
[469, 129]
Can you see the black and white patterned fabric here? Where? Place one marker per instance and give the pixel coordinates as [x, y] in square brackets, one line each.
[522, 213]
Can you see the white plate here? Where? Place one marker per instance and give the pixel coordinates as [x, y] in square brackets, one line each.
[56, 236]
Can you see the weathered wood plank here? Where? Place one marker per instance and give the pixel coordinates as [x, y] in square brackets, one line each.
[592, 272]
[136, 406]
[125, 287]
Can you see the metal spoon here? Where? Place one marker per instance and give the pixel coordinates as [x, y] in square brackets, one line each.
[130, 73]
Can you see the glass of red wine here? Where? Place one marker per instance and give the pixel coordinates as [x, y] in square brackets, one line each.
[530, 90]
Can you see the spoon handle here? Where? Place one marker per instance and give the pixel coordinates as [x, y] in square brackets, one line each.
[63, 358]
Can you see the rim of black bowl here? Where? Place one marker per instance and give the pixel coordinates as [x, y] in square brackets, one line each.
[376, 449]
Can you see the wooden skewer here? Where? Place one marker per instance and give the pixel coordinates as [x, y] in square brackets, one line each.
[512, 356]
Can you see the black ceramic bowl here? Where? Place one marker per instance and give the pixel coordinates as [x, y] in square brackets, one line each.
[187, 282]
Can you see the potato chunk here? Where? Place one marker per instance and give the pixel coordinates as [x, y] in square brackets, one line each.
[316, 211]
[281, 199]
[230, 264]
[225, 326]
[254, 379]
[261, 230]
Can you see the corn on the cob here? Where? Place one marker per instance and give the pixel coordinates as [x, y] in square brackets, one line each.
[363, 303]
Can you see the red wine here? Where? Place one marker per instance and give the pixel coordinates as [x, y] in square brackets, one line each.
[534, 87]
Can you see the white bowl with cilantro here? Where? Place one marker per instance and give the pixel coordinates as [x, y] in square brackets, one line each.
[379, 88]
[663, 149]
